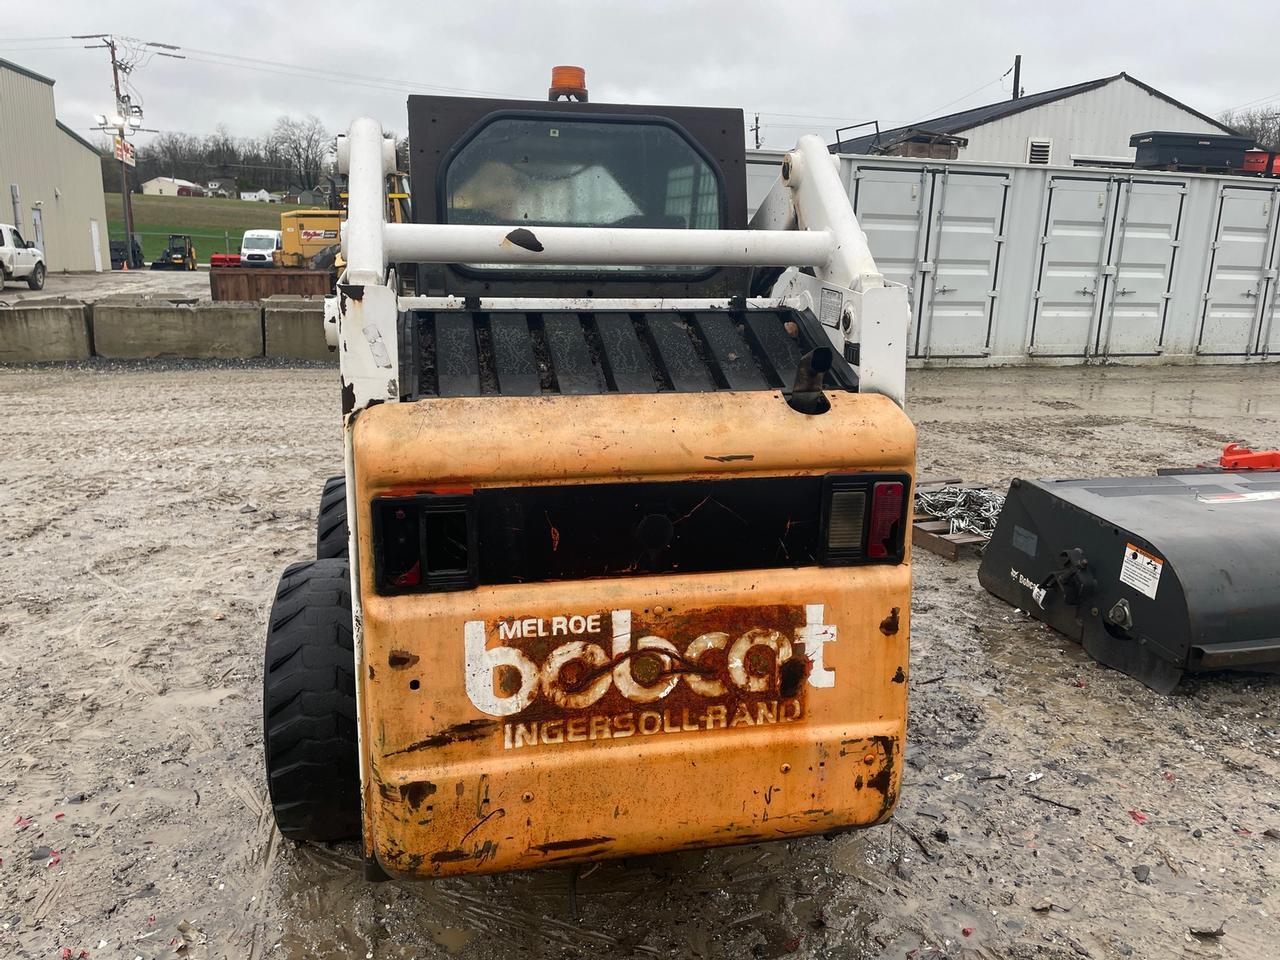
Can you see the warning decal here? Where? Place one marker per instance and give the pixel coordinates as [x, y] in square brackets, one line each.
[1141, 570]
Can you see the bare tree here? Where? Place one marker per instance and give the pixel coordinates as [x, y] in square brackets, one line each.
[1263, 124]
[304, 146]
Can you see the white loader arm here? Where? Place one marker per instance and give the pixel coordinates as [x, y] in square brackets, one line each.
[806, 221]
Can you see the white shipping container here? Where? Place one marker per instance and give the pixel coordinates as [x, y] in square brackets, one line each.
[1014, 263]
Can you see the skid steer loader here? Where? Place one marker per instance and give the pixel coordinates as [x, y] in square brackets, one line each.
[619, 560]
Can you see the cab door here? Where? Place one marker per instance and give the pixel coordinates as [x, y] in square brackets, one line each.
[23, 260]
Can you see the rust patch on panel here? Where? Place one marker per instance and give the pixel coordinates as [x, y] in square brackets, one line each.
[889, 625]
[402, 658]
[414, 793]
[471, 730]
[882, 782]
[449, 856]
[525, 239]
[558, 845]
[697, 670]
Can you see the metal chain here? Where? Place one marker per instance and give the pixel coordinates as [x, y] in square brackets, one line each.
[966, 509]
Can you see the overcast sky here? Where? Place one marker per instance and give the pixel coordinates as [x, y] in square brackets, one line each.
[805, 66]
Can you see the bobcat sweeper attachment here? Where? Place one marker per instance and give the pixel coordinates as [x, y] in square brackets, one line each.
[1154, 576]
[619, 563]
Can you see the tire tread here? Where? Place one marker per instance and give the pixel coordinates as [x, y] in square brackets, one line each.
[309, 704]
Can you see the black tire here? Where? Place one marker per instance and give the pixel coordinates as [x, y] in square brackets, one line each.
[36, 280]
[309, 705]
[331, 521]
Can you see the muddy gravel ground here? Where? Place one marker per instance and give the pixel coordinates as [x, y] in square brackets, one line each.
[1051, 808]
[91, 287]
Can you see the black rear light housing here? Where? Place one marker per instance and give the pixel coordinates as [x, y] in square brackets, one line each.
[847, 519]
[447, 540]
[424, 543]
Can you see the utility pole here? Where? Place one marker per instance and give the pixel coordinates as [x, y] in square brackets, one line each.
[755, 128]
[128, 115]
[1017, 77]
[124, 167]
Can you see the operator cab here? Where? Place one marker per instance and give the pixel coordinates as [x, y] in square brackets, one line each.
[478, 161]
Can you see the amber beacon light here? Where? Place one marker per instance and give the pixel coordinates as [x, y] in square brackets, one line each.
[568, 82]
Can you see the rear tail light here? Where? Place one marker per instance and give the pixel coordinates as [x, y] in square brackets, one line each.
[884, 533]
[424, 543]
[863, 518]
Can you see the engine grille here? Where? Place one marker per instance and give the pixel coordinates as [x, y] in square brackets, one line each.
[478, 353]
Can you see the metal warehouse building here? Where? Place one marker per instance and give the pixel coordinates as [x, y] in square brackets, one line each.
[1080, 124]
[50, 177]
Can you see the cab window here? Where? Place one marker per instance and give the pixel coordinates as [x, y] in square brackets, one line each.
[542, 170]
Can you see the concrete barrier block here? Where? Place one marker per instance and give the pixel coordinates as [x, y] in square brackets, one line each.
[294, 329]
[37, 331]
[148, 330]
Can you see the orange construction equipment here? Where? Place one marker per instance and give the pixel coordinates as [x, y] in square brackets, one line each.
[1238, 457]
[619, 560]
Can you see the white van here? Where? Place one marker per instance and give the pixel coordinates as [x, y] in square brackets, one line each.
[258, 246]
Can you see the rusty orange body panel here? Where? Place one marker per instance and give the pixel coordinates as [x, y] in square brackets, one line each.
[519, 725]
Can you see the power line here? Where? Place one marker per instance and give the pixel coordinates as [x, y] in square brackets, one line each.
[812, 116]
[276, 67]
[1258, 104]
[257, 63]
[937, 111]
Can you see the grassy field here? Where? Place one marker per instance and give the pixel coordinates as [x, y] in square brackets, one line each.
[214, 225]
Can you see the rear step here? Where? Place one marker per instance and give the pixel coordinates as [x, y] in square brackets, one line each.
[475, 353]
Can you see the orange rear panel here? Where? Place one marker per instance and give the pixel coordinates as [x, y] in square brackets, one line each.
[520, 725]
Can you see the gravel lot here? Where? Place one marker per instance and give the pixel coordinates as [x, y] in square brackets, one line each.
[148, 510]
[91, 287]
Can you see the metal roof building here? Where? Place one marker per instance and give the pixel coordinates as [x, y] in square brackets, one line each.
[1082, 124]
[50, 176]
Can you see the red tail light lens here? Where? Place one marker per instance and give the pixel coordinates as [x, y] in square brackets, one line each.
[863, 518]
[884, 532]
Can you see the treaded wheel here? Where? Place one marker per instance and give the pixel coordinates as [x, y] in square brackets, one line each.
[309, 704]
[331, 522]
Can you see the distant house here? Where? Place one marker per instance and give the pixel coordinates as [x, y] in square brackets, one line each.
[221, 187]
[261, 196]
[1085, 124]
[313, 198]
[171, 187]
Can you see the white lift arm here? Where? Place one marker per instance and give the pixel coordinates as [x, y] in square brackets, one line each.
[806, 221]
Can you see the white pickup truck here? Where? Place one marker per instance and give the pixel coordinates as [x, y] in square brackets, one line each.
[20, 259]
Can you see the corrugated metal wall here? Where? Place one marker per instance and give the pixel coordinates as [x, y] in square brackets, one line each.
[1010, 264]
[51, 169]
[1096, 123]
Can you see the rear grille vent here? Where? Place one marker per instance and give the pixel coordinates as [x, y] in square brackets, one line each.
[474, 353]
